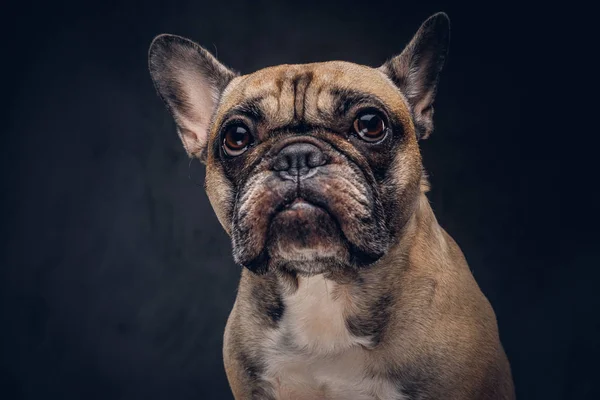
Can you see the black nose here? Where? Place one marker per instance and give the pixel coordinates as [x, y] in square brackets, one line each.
[298, 160]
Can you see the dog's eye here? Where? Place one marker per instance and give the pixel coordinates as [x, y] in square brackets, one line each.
[236, 140]
[370, 127]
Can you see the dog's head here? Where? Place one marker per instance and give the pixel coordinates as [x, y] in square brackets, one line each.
[313, 167]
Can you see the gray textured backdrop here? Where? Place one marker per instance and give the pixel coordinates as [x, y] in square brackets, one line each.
[116, 278]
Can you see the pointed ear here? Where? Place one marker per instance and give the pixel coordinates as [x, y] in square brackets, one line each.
[417, 69]
[190, 82]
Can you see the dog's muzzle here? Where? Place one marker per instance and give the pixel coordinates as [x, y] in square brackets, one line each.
[306, 202]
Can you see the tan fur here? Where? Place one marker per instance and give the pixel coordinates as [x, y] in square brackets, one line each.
[277, 103]
[277, 100]
[414, 325]
[442, 308]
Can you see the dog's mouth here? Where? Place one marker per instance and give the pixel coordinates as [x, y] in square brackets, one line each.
[299, 204]
[325, 221]
[302, 224]
[306, 236]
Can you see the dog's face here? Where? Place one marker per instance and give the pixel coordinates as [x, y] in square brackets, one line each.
[310, 168]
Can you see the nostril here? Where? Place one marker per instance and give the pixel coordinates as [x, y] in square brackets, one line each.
[315, 159]
[281, 163]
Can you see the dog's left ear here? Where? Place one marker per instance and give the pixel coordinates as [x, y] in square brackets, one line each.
[416, 70]
[190, 82]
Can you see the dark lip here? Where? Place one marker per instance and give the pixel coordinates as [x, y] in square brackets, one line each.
[302, 201]
[298, 202]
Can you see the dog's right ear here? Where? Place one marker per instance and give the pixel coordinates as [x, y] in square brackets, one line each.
[190, 82]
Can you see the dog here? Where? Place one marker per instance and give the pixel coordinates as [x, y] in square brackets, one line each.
[350, 289]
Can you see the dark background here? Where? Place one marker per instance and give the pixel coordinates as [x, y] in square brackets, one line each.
[115, 277]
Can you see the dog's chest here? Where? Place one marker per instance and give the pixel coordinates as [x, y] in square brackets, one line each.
[312, 355]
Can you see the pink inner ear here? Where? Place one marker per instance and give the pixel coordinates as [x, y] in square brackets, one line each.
[199, 104]
[189, 80]
[423, 105]
[193, 146]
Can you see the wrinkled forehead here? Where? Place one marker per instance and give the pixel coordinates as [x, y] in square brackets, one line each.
[309, 93]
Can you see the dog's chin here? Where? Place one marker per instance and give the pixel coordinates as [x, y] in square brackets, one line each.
[306, 239]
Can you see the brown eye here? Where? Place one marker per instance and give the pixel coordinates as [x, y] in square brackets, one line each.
[236, 140]
[370, 127]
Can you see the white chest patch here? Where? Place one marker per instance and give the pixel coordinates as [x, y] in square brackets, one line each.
[313, 356]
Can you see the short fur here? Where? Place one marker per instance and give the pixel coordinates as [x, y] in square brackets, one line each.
[356, 292]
